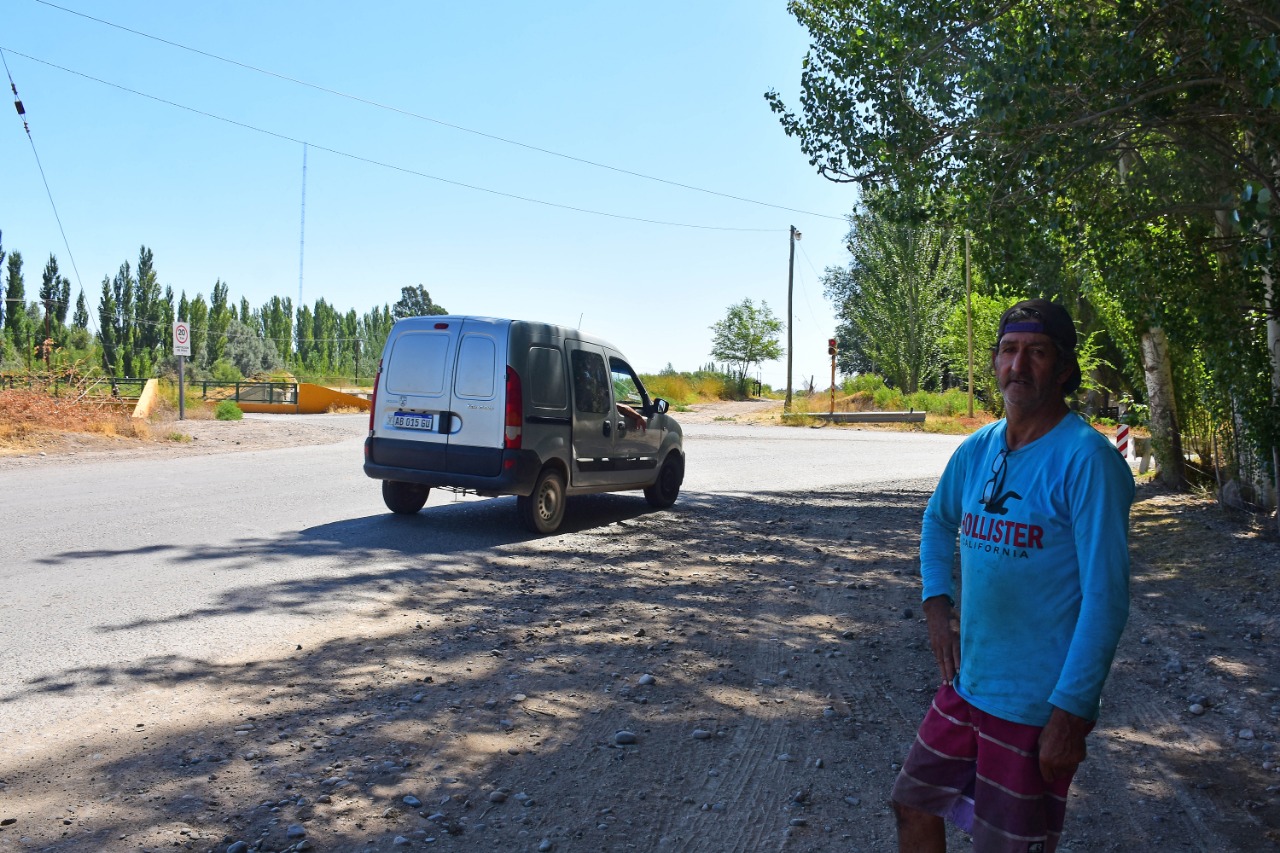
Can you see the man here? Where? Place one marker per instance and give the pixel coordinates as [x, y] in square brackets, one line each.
[1040, 502]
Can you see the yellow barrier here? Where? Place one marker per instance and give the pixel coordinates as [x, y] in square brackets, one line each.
[312, 400]
[147, 400]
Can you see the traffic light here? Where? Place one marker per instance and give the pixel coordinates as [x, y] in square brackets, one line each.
[831, 346]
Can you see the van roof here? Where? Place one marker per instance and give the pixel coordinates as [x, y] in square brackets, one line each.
[553, 328]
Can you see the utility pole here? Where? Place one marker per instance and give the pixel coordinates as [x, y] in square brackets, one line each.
[968, 316]
[791, 270]
[831, 351]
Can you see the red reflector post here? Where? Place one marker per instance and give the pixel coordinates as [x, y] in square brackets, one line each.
[513, 433]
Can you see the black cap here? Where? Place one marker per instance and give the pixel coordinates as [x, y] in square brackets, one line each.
[1042, 317]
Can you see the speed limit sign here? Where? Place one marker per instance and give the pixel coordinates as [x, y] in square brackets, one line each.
[181, 338]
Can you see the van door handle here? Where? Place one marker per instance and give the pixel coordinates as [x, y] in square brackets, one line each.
[607, 426]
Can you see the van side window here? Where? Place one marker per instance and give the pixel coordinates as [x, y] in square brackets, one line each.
[547, 386]
[477, 366]
[626, 385]
[590, 382]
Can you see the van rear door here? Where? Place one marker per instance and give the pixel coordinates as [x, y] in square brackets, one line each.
[443, 381]
[477, 410]
[414, 401]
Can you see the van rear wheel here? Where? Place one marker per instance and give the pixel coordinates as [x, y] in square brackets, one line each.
[666, 488]
[543, 510]
[404, 498]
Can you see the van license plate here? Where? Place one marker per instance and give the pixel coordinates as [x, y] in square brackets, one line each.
[412, 420]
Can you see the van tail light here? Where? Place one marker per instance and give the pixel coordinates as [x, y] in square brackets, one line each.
[373, 398]
[513, 434]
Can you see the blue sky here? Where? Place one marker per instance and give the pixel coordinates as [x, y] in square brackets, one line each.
[669, 90]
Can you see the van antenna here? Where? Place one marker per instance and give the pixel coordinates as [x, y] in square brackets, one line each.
[579, 322]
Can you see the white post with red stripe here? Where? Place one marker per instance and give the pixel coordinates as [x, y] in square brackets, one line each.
[1122, 440]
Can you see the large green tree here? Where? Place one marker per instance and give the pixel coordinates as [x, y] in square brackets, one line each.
[748, 335]
[415, 302]
[900, 285]
[249, 351]
[1087, 144]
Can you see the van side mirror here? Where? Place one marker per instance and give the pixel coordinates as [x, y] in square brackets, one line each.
[660, 405]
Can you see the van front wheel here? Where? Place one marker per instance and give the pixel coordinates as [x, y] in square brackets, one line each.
[666, 488]
[404, 498]
[543, 510]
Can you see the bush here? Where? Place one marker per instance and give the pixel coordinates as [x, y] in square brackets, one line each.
[681, 389]
[227, 410]
[888, 399]
[949, 403]
[862, 382]
[672, 387]
[223, 370]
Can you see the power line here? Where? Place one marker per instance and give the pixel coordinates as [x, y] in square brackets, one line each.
[435, 121]
[370, 161]
[22, 113]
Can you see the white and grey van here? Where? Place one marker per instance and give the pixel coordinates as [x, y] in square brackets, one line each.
[509, 407]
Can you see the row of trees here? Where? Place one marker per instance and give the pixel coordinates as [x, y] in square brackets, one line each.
[229, 340]
[1121, 158]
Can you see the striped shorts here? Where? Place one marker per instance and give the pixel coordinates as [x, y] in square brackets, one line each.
[982, 773]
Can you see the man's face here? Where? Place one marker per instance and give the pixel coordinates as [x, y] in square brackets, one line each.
[1028, 371]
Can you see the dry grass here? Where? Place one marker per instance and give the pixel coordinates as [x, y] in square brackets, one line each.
[32, 418]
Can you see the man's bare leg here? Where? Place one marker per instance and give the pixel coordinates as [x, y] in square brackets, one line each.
[919, 832]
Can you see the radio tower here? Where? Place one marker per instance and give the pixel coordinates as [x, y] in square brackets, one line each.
[302, 235]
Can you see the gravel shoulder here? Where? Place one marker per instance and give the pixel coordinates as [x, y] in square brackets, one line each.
[730, 674]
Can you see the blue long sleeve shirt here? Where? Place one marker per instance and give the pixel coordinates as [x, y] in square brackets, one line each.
[1044, 564]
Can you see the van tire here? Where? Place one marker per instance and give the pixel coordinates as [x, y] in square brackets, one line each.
[543, 510]
[404, 498]
[666, 488]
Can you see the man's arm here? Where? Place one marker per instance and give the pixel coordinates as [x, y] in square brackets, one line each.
[1062, 744]
[944, 635]
[938, 532]
[1100, 491]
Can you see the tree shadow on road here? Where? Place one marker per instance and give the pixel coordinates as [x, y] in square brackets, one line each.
[490, 675]
[498, 661]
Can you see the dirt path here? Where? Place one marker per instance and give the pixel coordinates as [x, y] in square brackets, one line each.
[727, 675]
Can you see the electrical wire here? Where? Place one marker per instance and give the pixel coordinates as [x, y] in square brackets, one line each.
[435, 121]
[370, 161]
[803, 291]
[22, 113]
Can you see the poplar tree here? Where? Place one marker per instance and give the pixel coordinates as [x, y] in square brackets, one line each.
[149, 315]
[220, 314]
[107, 325]
[15, 319]
[80, 319]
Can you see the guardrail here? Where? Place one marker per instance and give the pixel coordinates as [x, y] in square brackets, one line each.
[116, 386]
[912, 417]
[272, 393]
[123, 387]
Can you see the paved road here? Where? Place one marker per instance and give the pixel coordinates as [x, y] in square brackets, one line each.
[112, 569]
